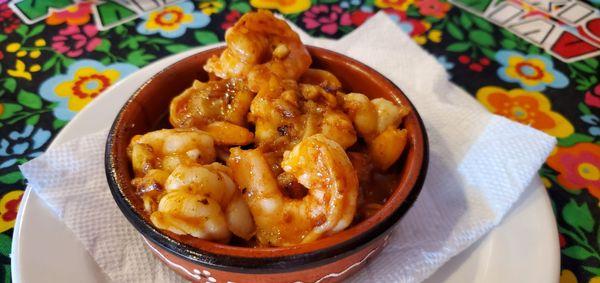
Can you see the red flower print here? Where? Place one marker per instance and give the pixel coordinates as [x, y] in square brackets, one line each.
[74, 15]
[358, 17]
[412, 26]
[474, 64]
[434, 8]
[592, 97]
[9, 205]
[230, 19]
[327, 18]
[80, 89]
[578, 167]
[11, 209]
[9, 22]
[562, 241]
[73, 40]
[476, 67]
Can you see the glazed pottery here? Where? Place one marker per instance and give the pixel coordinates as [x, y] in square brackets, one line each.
[330, 259]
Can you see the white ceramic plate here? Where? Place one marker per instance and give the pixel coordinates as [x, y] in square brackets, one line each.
[523, 248]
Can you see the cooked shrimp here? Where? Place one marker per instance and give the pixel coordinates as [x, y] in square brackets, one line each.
[168, 148]
[389, 144]
[388, 114]
[151, 187]
[211, 180]
[322, 78]
[184, 213]
[298, 113]
[387, 147]
[207, 102]
[338, 127]
[239, 218]
[218, 107]
[276, 120]
[372, 117]
[260, 47]
[297, 183]
[318, 94]
[362, 112]
[210, 186]
[154, 155]
[319, 164]
[226, 133]
[377, 121]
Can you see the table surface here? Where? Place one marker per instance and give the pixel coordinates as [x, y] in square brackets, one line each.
[51, 69]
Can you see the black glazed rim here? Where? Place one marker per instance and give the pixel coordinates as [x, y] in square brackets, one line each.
[254, 265]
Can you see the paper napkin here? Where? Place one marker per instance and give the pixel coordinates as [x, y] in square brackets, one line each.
[479, 165]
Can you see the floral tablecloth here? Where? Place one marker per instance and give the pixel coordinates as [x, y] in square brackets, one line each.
[52, 69]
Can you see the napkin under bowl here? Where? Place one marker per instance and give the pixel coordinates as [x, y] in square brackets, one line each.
[479, 166]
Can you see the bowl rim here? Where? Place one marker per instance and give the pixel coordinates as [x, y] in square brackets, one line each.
[332, 251]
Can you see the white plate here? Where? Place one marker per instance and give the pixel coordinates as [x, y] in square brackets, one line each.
[523, 248]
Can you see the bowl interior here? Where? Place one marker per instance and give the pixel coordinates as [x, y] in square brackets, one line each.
[147, 110]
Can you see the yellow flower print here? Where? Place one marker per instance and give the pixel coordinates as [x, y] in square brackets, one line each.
[546, 182]
[35, 54]
[211, 7]
[168, 19]
[532, 72]
[35, 68]
[283, 6]
[85, 86]
[527, 107]
[173, 21]
[435, 36]
[567, 276]
[9, 205]
[13, 47]
[40, 42]
[19, 71]
[533, 76]
[84, 80]
[421, 37]
[400, 5]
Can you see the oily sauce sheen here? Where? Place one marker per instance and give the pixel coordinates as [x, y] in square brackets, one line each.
[267, 152]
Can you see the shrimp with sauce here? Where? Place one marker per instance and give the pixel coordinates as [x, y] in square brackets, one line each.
[155, 155]
[262, 49]
[203, 201]
[377, 121]
[217, 107]
[168, 148]
[314, 159]
[322, 78]
[299, 112]
[317, 163]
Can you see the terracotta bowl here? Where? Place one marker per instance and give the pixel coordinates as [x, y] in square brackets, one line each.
[327, 260]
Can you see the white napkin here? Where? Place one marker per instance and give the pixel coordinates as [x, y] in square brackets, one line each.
[479, 165]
